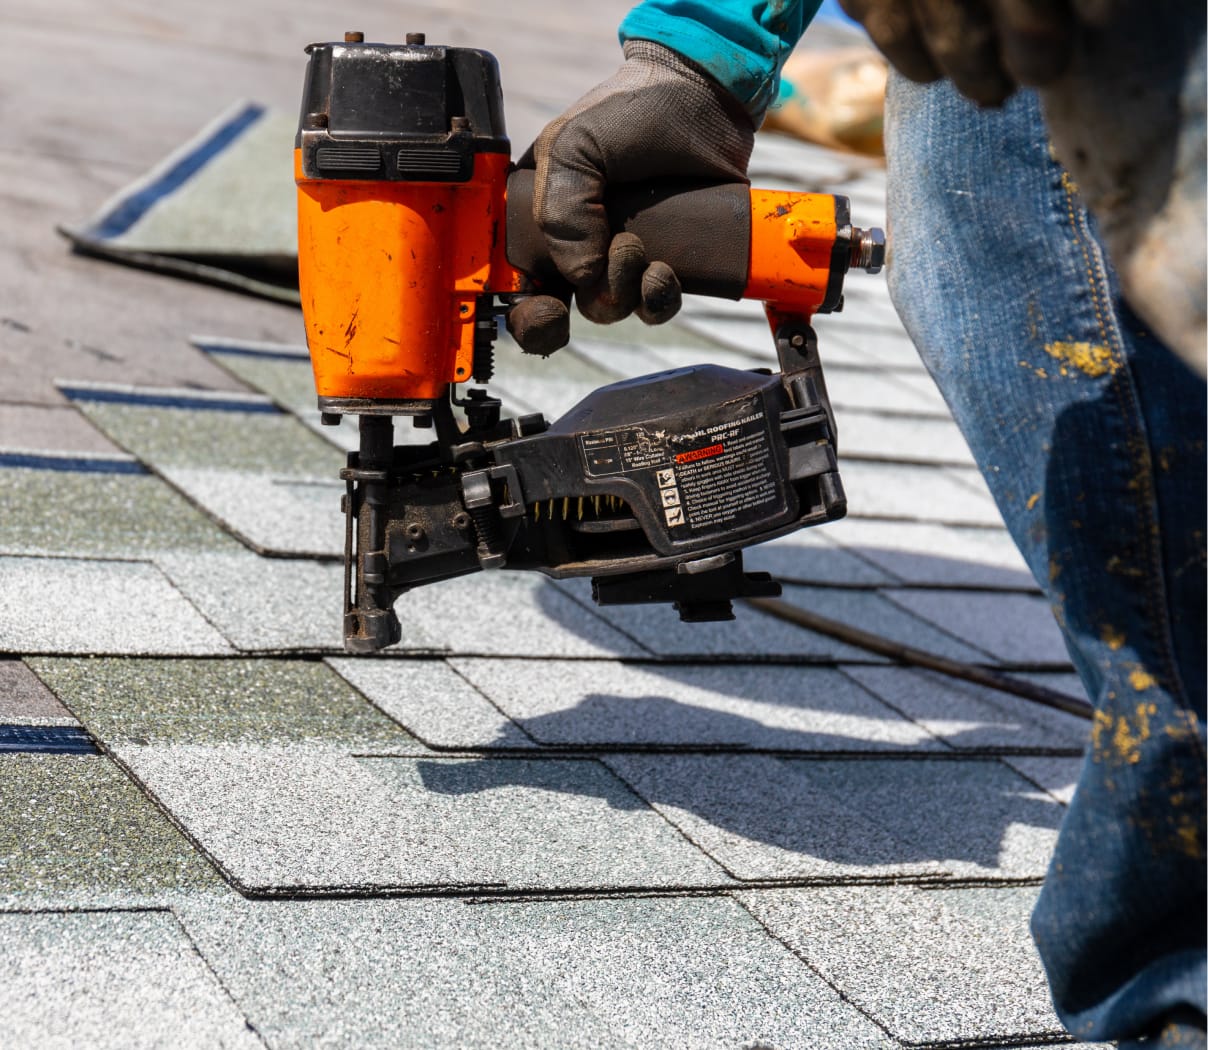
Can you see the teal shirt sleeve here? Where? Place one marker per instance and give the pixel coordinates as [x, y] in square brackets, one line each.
[741, 43]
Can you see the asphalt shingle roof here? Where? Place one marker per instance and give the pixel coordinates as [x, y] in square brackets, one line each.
[536, 822]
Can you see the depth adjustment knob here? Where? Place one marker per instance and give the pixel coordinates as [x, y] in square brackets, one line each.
[868, 249]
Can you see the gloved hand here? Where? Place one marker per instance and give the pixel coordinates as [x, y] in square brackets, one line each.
[986, 47]
[657, 117]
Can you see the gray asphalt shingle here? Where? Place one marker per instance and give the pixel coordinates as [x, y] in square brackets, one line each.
[810, 819]
[884, 392]
[50, 428]
[812, 556]
[691, 972]
[933, 965]
[290, 820]
[97, 607]
[754, 706]
[972, 717]
[912, 493]
[513, 614]
[271, 603]
[868, 434]
[659, 630]
[261, 472]
[762, 820]
[201, 430]
[125, 980]
[219, 702]
[1058, 776]
[78, 832]
[433, 702]
[275, 515]
[90, 514]
[1015, 628]
[872, 611]
[939, 555]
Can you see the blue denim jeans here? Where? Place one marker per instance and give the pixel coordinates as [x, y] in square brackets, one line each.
[1090, 434]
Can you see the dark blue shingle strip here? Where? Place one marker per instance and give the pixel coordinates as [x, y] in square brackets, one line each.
[74, 464]
[52, 740]
[133, 208]
[151, 399]
[229, 350]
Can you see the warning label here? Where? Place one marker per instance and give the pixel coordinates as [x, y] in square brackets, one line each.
[704, 479]
[718, 489]
[700, 453]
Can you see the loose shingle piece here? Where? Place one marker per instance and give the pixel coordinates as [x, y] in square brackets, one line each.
[583, 975]
[24, 700]
[120, 980]
[931, 965]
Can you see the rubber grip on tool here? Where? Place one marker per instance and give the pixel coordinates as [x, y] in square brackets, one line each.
[701, 230]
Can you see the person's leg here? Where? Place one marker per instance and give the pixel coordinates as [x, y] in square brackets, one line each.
[1090, 434]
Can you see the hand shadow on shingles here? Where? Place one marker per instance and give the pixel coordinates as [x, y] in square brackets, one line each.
[864, 811]
[861, 811]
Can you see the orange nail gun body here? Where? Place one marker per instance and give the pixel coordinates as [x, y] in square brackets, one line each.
[415, 233]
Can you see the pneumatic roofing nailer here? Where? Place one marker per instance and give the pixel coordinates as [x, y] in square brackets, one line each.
[415, 233]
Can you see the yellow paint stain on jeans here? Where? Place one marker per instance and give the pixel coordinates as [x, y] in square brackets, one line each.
[1141, 680]
[1091, 359]
[1189, 836]
[1112, 638]
[1033, 500]
[1120, 738]
[1184, 725]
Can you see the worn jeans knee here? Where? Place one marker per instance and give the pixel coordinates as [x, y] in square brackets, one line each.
[1090, 434]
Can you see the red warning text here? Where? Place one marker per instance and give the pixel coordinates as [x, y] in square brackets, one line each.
[700, 453]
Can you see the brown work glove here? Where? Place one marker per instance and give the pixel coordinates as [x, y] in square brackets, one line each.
[986, 47]
[657, 117]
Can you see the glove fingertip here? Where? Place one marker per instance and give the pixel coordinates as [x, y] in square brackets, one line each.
[662, 294]
[540, 324]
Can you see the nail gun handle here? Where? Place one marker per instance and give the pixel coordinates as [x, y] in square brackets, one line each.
[727, 240]
[701, 231]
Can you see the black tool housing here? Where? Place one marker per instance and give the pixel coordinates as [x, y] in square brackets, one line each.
[651, 486]
[399, 112]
